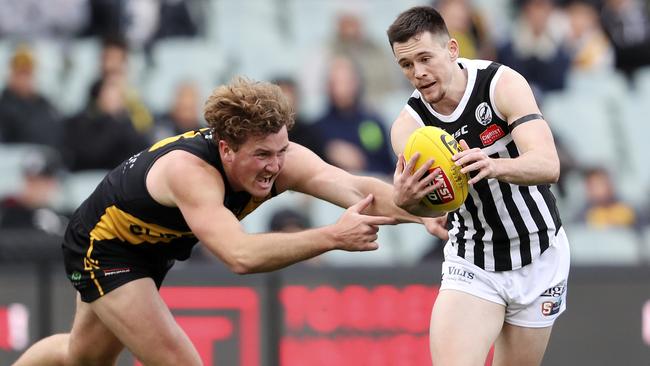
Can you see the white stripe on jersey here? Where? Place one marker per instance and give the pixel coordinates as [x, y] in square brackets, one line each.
[414, 114]
[493, 85]
[506, 220]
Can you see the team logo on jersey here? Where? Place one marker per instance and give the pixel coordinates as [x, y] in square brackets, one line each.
[483, 114]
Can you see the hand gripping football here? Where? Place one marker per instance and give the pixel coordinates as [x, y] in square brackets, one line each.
[435, 143]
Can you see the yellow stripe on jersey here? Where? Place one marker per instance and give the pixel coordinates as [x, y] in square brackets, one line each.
[99, 287]
[169, 140]
[117, 224]
[252, 204]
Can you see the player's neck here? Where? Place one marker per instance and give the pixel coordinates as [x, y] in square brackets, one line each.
[448, 104]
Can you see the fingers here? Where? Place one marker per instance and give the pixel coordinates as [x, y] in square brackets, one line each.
[463, 145]
[410, 166]
[369, 246]
[399, 167]
[379, 220]
[458, 158]
[363, 204]
[423, 169]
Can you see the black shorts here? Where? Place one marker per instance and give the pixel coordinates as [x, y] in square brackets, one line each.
[111, 264]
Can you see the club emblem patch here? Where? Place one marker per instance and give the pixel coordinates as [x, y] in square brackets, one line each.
[483, 114]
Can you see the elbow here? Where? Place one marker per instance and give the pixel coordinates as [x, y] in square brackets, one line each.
[240, 267]
[242, 264]
[554, 176]
[555, 172]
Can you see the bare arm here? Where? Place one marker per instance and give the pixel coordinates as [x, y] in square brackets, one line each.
[538, 162]
[183, 180]
[305, 172]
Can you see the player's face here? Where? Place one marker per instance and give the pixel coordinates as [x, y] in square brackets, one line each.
[427, 61]
[258, 161]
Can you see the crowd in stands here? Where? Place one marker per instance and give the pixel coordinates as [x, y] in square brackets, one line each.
[353, 76]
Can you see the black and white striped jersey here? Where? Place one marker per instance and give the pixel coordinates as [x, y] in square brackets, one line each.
[500, 226]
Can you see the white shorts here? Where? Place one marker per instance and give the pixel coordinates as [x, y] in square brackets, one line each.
[534, 296]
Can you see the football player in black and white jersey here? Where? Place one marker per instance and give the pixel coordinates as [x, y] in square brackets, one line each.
[507, 257]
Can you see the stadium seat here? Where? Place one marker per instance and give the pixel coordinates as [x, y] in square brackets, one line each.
[635, 128]
[11, 159]
[77, 186]
[179, 60]
[591, 246]
[49, 67]
[586, 125]
[84, 58]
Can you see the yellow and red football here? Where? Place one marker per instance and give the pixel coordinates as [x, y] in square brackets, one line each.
[435, 143]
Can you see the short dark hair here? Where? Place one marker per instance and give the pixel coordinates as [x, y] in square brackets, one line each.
[416, 20]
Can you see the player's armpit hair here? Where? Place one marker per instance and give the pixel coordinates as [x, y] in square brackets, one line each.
[524, 119]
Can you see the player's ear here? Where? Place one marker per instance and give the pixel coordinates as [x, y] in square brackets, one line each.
[226, 151]
[453, 49]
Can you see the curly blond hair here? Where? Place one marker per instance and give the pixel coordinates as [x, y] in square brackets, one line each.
[245, 108]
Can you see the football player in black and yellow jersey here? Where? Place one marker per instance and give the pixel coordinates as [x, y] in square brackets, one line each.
[150, 211]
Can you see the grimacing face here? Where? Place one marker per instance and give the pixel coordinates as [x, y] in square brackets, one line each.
[427, 61]
[257, 163]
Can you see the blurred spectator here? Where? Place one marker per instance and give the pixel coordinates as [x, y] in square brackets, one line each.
[180, 18]
[135, 20]
[31, 208]
[604, 209]
[537, 49]
[590, 48]
[302, 132]
[143, 22]
[25, 115]
[114, 62]
[38, 19]
[183, 116]
[355, 138]
[102, 136]
[469, 27]
[380, 75]
[627, 24]
[288, 220]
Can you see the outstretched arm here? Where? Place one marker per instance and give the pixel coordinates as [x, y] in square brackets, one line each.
[173, 181]
[305, 172]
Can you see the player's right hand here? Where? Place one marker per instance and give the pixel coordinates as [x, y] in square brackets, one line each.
[411, 185]
[355, 231]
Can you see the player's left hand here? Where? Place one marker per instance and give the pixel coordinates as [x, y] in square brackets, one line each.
[475, 159]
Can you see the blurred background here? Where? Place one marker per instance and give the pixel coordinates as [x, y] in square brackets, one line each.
[86, 83]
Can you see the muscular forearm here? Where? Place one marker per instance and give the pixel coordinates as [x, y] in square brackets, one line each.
[253, 253]
[528, 169]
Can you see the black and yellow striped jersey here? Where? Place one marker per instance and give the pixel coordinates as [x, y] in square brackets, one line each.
[121, 210]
